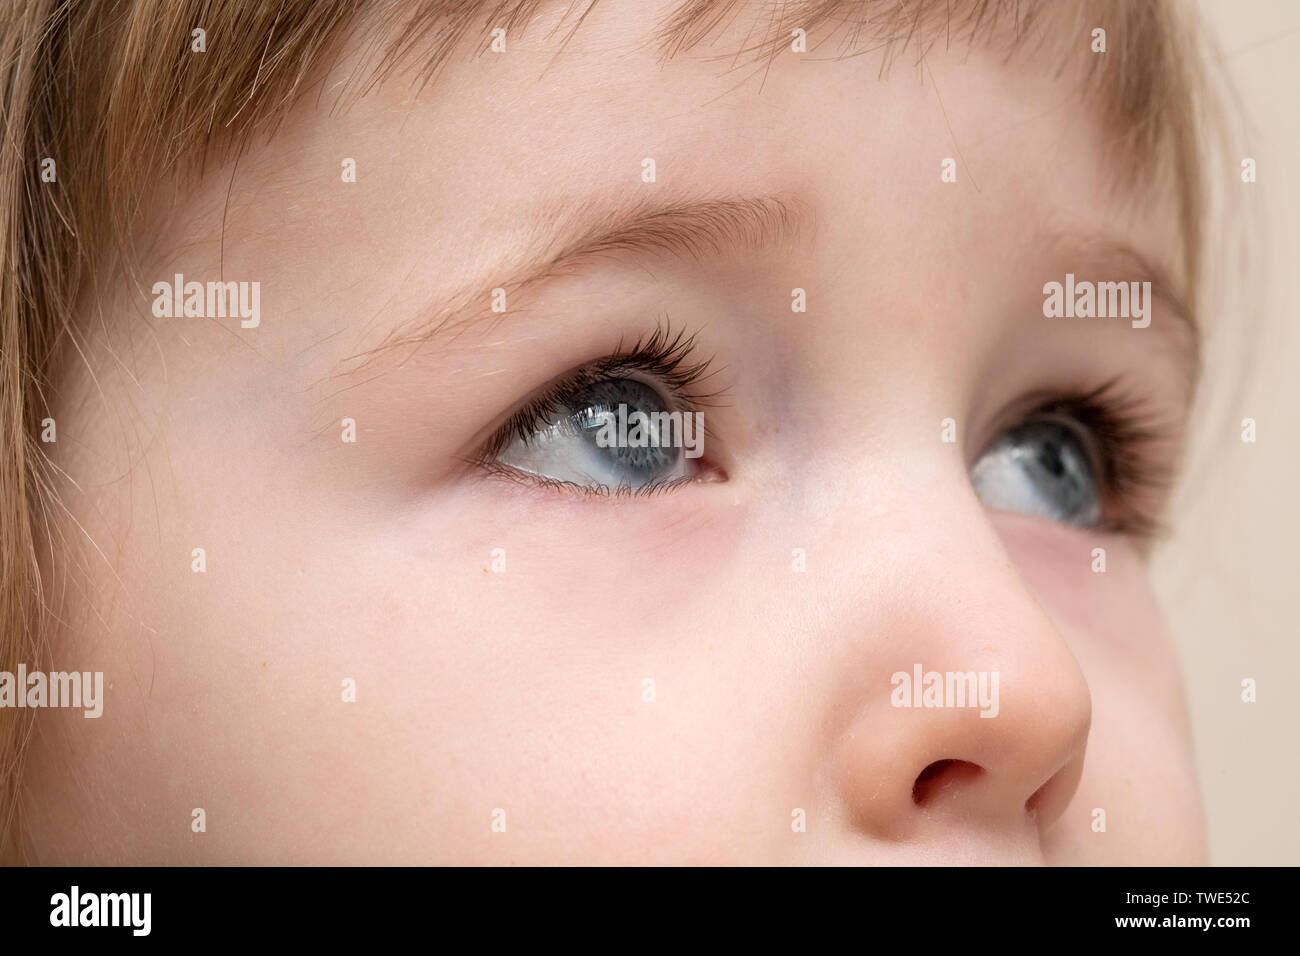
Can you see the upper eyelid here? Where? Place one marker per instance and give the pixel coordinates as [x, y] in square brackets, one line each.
[1099, 253]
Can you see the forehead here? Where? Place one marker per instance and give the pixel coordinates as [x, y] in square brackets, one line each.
[583, 100]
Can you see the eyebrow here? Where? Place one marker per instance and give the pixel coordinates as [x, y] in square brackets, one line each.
[571, 236]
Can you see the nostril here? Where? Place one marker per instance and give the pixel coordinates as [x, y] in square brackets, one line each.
[941, 775]
[1031, 805]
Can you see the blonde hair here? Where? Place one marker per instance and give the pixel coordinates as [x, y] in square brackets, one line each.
[111, 92]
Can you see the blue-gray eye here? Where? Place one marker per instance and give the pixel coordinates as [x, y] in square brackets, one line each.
[615, 433]
[1041, 468]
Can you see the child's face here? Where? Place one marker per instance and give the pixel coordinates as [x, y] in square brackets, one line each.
[631, 678]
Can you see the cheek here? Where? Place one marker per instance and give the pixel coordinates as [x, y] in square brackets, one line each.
[1092, 585]
[576, 637]
[501, 639]
[1139, 766]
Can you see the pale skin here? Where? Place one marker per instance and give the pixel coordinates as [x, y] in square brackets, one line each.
[524, 689]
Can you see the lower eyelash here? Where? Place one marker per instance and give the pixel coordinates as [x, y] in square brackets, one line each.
[496, 469]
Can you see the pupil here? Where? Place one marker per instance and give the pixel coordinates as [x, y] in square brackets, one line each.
[1050, 458]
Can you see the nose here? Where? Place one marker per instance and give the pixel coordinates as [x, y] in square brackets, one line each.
[975, 719]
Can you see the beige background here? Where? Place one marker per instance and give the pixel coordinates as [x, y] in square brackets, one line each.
[1227, 576]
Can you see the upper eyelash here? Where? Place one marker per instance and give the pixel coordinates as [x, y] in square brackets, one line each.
[1133, 450]
[666, 356]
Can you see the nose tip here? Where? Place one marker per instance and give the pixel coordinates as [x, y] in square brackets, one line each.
[906, 771]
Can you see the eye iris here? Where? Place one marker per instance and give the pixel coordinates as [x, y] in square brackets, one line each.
[626, 411]
[1040, 468]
